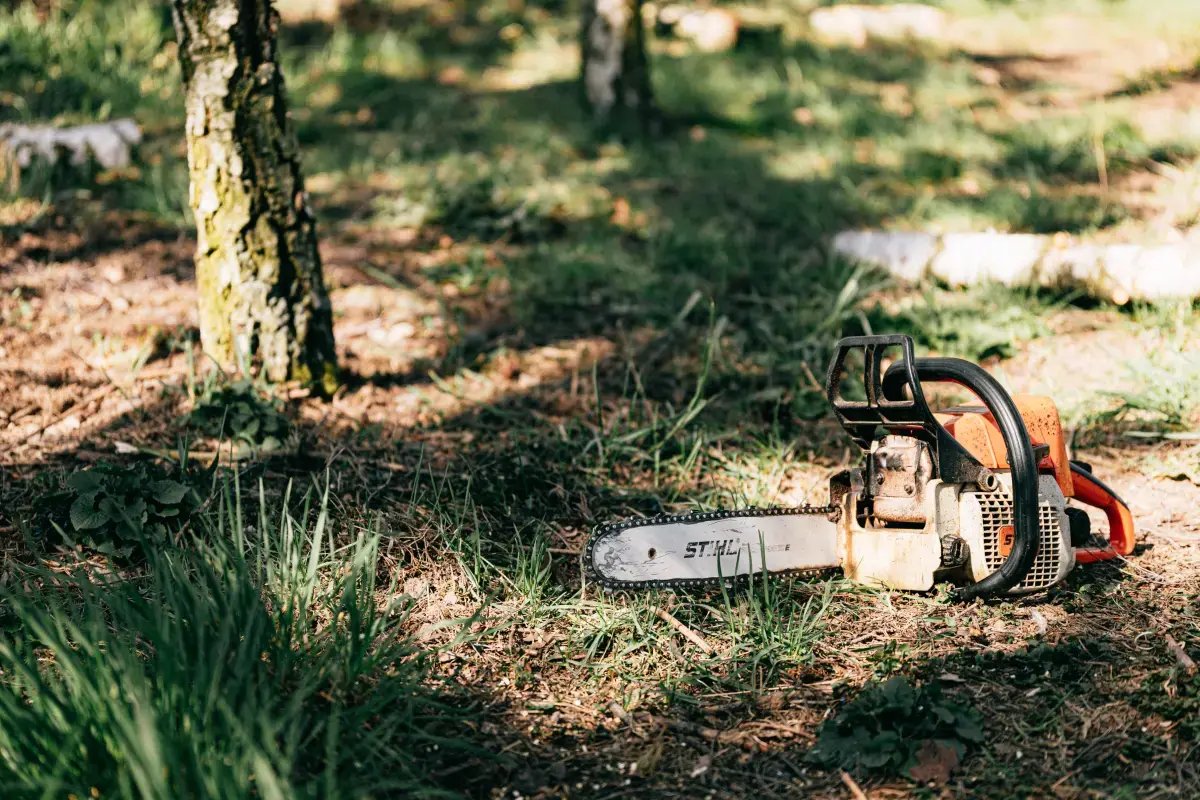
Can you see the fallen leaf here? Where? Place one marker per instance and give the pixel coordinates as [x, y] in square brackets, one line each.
[935, 762]
[803, 116]
[452, 75]
[620, 212]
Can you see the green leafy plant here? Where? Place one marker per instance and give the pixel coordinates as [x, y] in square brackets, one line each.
[891, 726]
[239, 412]
[888, 660]
[114, 508]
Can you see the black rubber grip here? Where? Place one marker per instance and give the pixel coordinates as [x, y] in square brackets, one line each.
[1026, 533]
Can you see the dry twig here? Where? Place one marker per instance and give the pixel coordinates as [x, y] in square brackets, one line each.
[684, 630]
[734, 738]
[1185, 661]
[855, 790]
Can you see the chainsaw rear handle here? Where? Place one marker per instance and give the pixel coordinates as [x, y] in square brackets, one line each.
[1021, 461]
[1091, 491]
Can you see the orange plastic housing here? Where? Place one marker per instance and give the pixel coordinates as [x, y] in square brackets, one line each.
[976, 430]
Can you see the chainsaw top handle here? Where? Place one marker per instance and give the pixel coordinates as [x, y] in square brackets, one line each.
[886, 406]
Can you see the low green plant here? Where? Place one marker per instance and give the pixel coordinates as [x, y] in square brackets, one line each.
[886, 727]
[1180, 703]
[114, 509]
[1161, 402]
[239, 412]
[889, 659]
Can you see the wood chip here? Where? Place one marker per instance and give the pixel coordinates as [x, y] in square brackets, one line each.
[96, 394]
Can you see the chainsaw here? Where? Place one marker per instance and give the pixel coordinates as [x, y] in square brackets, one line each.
[977, 496]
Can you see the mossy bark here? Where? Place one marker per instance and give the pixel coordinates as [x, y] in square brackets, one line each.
[616, 75]
[263, 304]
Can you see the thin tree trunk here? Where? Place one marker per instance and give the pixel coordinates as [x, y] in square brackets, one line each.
[263, 304]
[616, 76]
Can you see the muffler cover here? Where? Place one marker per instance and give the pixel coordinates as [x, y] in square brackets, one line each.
[986, 522]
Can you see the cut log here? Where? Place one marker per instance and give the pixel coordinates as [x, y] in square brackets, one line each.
[109, 143]
[856, 24]
[1114, 272]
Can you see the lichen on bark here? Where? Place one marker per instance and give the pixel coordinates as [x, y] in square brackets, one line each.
[262, 297]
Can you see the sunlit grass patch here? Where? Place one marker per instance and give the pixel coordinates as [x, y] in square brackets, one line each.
[743, 640]
[983, 322]
[1159, 398]
[75, 61]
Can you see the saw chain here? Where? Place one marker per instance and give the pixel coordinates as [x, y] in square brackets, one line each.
[613, 528]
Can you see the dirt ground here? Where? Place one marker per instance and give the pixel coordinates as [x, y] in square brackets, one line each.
[95, 357]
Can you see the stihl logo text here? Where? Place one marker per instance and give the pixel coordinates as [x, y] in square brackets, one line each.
[1007, 535]
[722, 547]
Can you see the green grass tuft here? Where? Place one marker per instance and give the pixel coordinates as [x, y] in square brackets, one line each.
[255, 660]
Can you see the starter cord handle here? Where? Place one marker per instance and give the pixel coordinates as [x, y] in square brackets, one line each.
[1026, 533]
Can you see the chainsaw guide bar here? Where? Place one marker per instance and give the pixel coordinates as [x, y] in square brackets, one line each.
[601, 540]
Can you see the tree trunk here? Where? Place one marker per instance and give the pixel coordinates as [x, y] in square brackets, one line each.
[263, 304]
[616, 77]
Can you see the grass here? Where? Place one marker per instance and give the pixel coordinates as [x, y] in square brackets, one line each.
[76, 64]
[1168, 395]
[1160, 398]
[618, 328]
[257, 659]
[985, 322]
